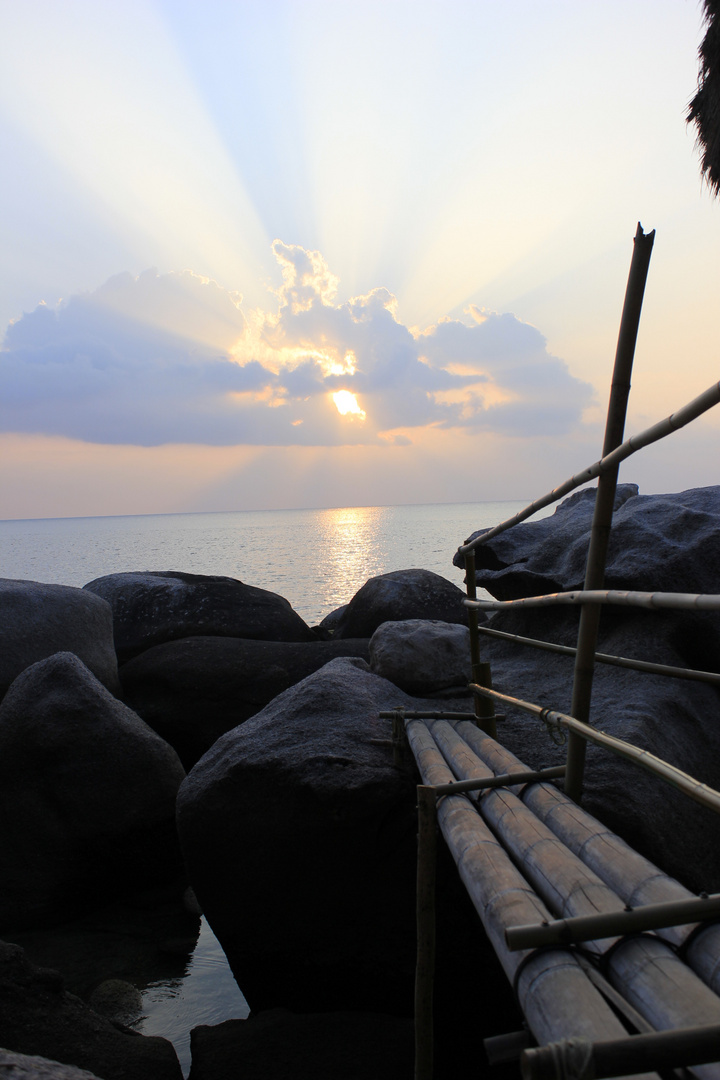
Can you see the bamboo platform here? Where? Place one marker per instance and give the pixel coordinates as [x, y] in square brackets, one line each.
[615, 965]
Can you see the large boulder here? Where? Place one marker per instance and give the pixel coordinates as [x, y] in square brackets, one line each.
[152, 607]
[87, 795]
[658, 543]
[422, 656]
[39, 1018]
[298, 831]
[194, 690]
[37, 620]
[400, 595]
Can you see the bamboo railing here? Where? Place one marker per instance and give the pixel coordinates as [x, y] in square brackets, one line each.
[542, 874]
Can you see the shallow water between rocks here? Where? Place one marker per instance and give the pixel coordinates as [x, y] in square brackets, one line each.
[205, 994]
[172, 958]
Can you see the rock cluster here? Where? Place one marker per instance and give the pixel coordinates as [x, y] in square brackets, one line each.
[94, 744]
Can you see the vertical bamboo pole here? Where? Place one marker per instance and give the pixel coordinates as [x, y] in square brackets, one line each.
[484, 708]
[425, 912]
[604, 500]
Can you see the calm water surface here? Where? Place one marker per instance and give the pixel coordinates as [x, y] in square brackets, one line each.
[317, 559]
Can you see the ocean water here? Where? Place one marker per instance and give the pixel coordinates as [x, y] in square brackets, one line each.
[316, 559]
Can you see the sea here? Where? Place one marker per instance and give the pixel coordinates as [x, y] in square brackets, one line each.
[316, 559]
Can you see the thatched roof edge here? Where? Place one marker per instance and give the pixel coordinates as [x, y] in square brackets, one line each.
[704, 109]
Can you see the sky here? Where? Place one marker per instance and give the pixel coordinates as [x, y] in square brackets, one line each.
[318, 253]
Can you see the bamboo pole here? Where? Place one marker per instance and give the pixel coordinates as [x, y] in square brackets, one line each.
[603, 513]
[532, 776]
[701, 793]
[617, 597]
[682, 416]
[661, 1050]
[608, 924]
[480, 671]
[604, 658]
[425, 911]
[424, 714]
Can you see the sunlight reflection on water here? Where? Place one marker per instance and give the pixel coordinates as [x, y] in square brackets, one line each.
[317, 559]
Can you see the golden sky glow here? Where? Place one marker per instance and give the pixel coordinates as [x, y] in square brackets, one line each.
[283, 229]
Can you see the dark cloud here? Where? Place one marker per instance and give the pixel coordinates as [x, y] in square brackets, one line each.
[172, 358]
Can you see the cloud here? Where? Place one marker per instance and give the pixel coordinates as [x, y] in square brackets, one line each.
[174, 358]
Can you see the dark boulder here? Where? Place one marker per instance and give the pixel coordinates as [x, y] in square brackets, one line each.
[402, 594]
[422, 656]
[298, 831]
[31, 1067]
[38, 620]
[38, 1017]
[658, 543]
[87, 795]
[153, 607]
[194, 690]
[278, 1044]
[329, 624]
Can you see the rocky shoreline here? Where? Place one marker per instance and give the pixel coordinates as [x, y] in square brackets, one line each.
[160, 729]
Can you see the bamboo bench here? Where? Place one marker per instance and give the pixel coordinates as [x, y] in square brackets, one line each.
[544, 875]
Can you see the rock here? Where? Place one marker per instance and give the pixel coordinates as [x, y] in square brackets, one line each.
[38, 620]
[118, 1000]
[402, 594]
[422, 656]
[658, 543]
[194, 690]
[37, 1017]
[153, 607]
[278, 1044]
[298, 832]
[330, 622]
[25, 1067]
[87, 795]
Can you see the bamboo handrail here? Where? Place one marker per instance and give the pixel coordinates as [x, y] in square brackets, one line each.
[618, 597]
[674, 422]
[698, 791]
[605, 658]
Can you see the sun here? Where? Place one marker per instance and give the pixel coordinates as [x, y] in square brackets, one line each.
[346, 403]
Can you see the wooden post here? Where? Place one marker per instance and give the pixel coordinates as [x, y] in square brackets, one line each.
[484, 708]
[425, 912]
[604, 500]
